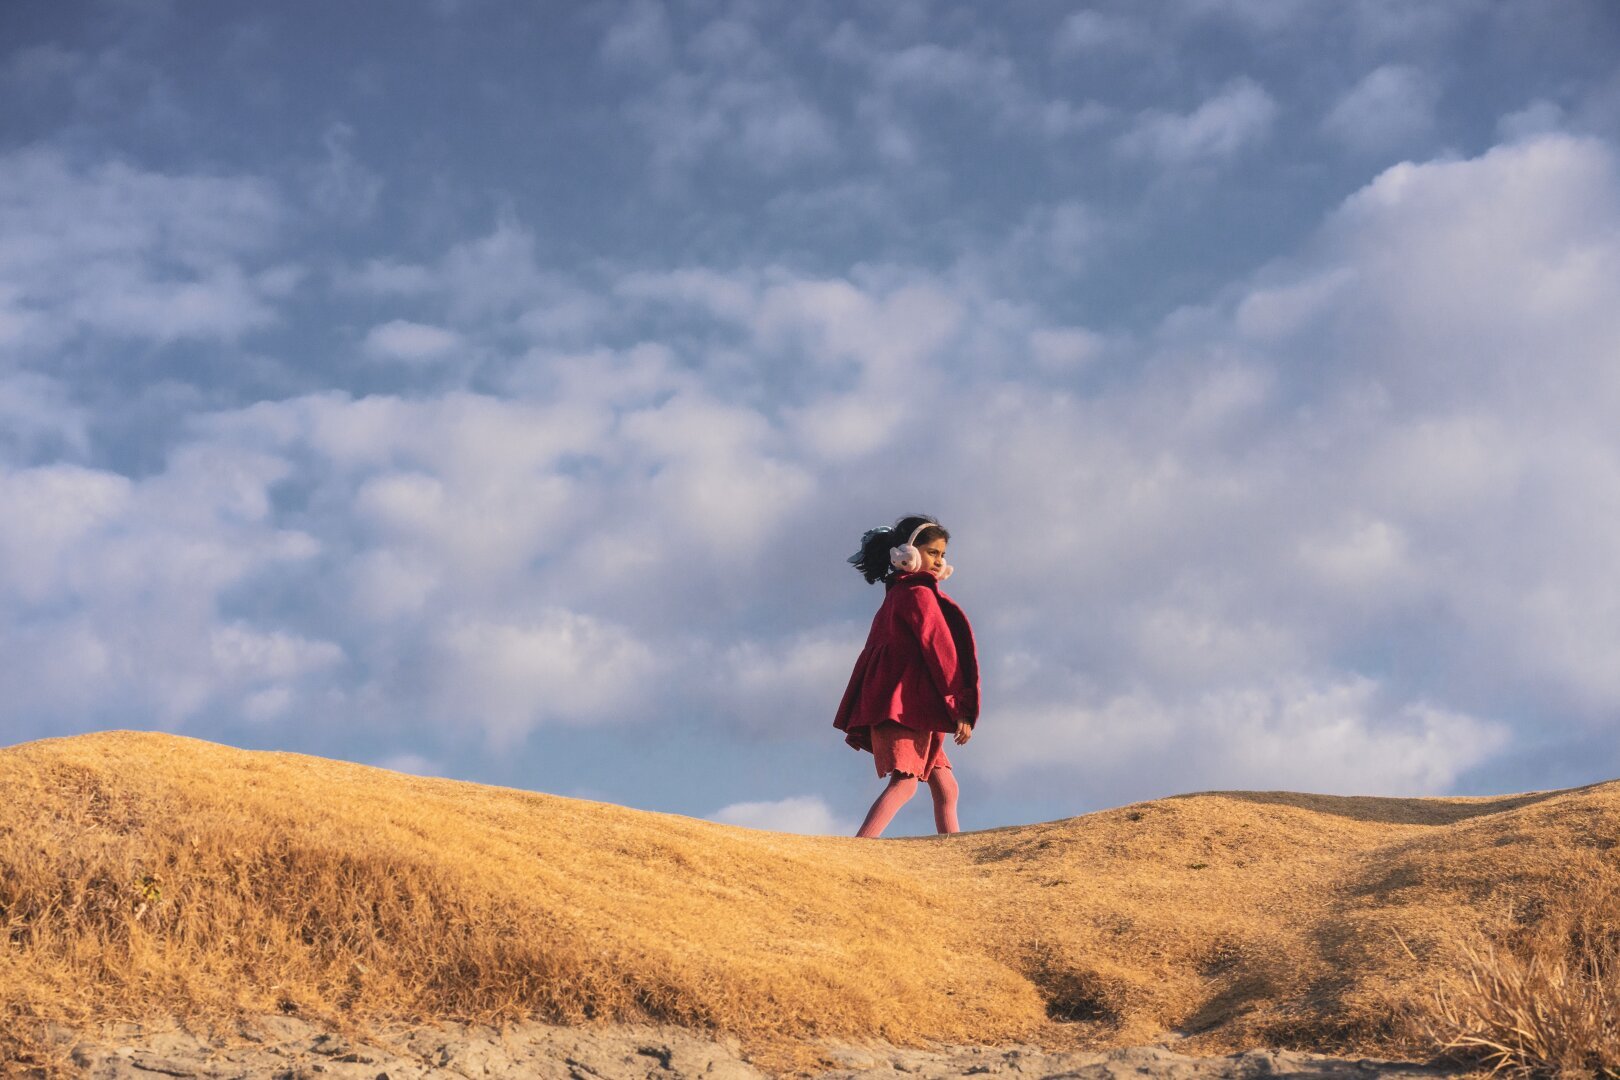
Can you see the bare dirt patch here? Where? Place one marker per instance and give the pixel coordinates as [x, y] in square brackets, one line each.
[274, 1046]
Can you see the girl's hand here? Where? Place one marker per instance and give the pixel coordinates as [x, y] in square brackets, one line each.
[964, 732]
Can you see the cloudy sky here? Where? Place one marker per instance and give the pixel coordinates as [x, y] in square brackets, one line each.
[495, 389]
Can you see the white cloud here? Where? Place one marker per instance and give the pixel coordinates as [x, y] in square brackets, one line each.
[342, 185]
[1066, 237]
[1263, 17]
[718, 482]
[1181, 643]
[462, 489]
[721, 93]
[889, 131]
[761, 123]
[523, 597]
[49, 510]
[1460, 388]
[389, 277]
[782, 689]
[1275, 312]
[1446, 466]
[401, 502]
[890, 336]
[931, 68]
[267, 704]
[1381, 23]
[36, 68]
[238, 651]
[1365, 555]
[1291, 733]
[490, 284]
[1369, 25]
[884, 333]
[1392, 106]
[640, 39]
[602, 378]
[1096, 31]
[1064, 348]
[407, 762]
[38, 417]
[905, 83]
[388, 584]
[729, 296]
[120, 82]
[805, 814]
[728, 42]
[850, 207]
[1539, 117]
[505, 679]
[409, 342]
[497, 273]
[117, 588]
[1488, 262]
[1237, 118]
[131, 253]
[847, 427]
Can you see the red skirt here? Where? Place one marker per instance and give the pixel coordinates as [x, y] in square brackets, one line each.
[897, 748]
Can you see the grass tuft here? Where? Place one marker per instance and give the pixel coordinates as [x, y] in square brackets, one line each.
[1546, 1000]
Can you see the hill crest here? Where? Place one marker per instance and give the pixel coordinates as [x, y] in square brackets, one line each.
[147, 874]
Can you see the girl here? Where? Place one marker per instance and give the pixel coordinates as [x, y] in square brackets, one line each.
[917, 679]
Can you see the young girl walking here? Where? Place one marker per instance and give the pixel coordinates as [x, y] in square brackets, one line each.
[917, 679]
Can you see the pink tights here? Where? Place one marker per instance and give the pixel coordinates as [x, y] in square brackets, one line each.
[902, 786]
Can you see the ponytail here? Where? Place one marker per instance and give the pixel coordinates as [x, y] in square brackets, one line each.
[872, 560]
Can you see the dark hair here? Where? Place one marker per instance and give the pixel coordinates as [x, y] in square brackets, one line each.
[873, 558]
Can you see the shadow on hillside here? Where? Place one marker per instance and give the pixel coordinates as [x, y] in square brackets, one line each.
[1431, 811]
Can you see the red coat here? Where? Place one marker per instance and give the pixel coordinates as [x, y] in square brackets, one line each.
[919, 668]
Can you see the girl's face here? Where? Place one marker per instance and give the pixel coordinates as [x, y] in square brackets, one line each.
[933, 556]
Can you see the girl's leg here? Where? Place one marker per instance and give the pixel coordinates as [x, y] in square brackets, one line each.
[942, 782]
[902, 786]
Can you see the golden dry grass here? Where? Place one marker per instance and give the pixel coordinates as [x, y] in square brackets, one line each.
[146, 875]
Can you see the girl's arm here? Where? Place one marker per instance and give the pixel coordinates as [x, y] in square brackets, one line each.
[919, 609]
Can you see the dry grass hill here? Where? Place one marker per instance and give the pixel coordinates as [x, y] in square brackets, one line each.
[147, 875]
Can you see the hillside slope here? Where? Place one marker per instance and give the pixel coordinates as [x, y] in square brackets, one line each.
[146, 875]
